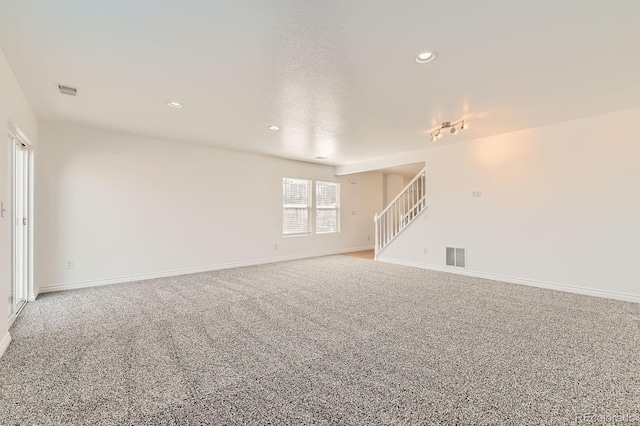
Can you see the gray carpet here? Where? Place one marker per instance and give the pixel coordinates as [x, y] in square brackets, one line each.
[334, 340]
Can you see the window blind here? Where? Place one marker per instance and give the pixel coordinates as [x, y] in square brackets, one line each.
[296, 206]
[327, 207]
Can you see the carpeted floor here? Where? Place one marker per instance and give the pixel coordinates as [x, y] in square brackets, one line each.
[333, 340]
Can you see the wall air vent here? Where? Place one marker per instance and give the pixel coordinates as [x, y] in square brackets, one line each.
[456, 257]
[67, 90]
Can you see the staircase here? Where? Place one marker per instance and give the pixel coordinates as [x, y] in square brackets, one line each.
[400, 212]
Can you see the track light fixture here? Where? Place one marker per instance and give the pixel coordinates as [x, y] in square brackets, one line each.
[437, 133]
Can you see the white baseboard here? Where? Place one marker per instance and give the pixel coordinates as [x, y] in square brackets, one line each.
[4, 343]
[524, 281]
[176, 272]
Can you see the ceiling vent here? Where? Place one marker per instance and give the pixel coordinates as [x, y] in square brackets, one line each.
[67, 90]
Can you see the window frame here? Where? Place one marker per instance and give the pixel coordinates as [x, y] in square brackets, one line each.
[336, 208]
[312, 208]
[308, 208]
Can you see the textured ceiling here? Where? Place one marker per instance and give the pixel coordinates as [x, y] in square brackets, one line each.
[339, 77]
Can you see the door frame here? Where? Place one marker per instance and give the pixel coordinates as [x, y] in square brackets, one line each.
[29, 296]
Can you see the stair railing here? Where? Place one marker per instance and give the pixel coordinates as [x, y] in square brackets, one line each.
[400, 212]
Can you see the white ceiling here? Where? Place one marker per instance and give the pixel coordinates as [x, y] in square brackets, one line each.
[406, 170]
[339, 77]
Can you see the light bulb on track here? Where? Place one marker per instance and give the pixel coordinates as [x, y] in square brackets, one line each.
[453, 127]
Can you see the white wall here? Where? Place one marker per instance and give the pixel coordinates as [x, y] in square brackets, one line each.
[122, 206]
[393, 184]
[379, 163]
[14, 110]
[560, 205]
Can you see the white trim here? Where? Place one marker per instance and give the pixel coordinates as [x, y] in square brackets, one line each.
[30, 227]
[18, 134]
[175, 272]
[12, 319]
[635, 298]
[14, 316]
[4, 343]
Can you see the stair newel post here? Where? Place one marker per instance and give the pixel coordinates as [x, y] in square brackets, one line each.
[423, 193]
[375, 235]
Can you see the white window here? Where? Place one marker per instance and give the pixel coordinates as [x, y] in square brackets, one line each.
[296, 206]
[327, 207]
[301, 207]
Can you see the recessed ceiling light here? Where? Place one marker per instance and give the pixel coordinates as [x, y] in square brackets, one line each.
[174, 104]
[425, 57]
[274, 128]
[322, 158]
